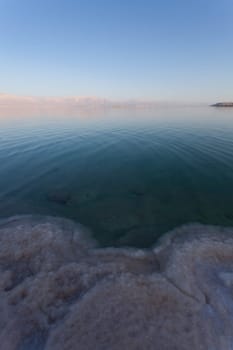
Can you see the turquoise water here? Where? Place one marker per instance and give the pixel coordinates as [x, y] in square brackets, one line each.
[129, 175]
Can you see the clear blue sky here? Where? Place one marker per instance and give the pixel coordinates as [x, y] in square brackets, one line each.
[150, 49]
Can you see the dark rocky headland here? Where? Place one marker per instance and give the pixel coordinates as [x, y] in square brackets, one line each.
[58, 290]
[223, 104]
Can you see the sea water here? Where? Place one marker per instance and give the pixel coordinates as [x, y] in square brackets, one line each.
[129, 175]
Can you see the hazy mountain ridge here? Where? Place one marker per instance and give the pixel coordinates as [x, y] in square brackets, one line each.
[79, 101]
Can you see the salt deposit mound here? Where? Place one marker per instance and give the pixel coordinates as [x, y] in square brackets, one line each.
[59, 291]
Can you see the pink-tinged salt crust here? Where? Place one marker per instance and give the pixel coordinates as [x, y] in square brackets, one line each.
[60, 291]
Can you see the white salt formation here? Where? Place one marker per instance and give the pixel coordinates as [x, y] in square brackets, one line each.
[59, 291]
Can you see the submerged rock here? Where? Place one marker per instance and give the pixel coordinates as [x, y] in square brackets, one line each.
[59, 291]
[59, 196]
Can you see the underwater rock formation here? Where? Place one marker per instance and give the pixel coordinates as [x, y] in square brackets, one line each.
[59, 197]
[58, 290]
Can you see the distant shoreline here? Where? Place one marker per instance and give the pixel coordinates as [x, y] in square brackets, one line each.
[223, 104]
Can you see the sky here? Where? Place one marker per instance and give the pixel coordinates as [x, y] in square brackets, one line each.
[162, 50]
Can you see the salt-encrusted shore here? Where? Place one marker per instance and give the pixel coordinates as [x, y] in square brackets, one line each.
[58, 290]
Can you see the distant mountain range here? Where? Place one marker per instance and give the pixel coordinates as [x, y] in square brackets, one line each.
[63, 105]
[223, 104]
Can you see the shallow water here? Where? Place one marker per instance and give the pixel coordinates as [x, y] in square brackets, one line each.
[129, 175]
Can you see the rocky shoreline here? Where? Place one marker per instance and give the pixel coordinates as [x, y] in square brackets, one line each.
[58, 290]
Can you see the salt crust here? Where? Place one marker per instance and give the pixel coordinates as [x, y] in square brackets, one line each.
[58, 290]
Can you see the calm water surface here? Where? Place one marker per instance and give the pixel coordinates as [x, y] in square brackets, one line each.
[129, 175]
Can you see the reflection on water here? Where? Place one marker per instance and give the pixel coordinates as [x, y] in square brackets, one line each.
[130, 175]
